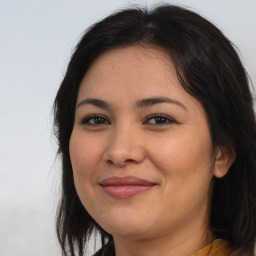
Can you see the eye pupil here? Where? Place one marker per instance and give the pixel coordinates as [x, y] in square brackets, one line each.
[160, 120]
[99, 120]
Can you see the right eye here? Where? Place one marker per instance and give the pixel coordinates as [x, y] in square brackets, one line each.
[95, 120]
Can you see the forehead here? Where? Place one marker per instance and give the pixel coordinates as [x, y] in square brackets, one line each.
[134, 54]
[133, 67]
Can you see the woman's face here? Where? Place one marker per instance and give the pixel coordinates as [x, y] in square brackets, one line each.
[140, 148]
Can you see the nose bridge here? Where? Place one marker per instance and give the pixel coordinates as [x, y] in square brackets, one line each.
[124, 145]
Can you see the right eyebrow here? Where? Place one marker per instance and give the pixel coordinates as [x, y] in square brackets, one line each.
[95, 102]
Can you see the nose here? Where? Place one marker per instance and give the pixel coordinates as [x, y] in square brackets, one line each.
[124, 146]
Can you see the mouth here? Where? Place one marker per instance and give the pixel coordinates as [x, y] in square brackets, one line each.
[125, 187]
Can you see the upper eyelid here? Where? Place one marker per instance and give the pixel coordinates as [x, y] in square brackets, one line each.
[160, 115]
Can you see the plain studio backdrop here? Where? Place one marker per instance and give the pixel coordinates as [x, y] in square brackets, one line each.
[36, 41]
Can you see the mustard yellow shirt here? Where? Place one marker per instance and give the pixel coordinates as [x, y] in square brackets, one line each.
[217, 248]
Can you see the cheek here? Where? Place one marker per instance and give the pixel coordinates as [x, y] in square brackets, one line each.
[182, 155]
[85, 157]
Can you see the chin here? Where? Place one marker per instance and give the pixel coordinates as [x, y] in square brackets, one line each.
[125, 224]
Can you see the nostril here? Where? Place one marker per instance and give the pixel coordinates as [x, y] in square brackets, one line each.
[109, 162]
[129, 160]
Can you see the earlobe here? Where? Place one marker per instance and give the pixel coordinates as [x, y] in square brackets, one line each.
[223, 161]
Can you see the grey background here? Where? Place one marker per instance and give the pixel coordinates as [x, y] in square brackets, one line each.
[36, 41]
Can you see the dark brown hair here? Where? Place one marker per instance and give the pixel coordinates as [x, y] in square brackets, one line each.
[209, 69]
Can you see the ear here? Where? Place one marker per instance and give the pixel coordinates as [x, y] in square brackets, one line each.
[223, 161]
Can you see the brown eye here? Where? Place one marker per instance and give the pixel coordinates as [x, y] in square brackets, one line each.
[95, 120]
[160, 119]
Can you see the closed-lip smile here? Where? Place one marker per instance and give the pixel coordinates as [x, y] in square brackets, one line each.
[125, 187]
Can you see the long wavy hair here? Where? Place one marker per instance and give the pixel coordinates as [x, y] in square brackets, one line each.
[208, 68]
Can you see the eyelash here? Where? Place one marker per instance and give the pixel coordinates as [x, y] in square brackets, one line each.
[104, 120]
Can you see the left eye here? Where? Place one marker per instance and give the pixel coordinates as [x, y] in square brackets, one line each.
[160, 119]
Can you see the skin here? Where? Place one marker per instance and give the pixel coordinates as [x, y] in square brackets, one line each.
[176, 154]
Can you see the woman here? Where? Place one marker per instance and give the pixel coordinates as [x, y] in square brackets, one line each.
[157, 136]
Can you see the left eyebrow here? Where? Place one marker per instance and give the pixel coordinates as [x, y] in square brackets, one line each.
[156, 100]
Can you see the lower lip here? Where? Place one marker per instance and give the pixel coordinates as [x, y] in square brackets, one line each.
[126, 191]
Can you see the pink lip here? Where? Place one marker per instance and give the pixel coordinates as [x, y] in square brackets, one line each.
[125, 187]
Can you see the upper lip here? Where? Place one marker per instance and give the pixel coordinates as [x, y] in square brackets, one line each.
[125, 181]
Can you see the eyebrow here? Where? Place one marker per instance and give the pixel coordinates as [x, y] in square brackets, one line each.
[139, 104]
[95, 102]
[156, 100]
